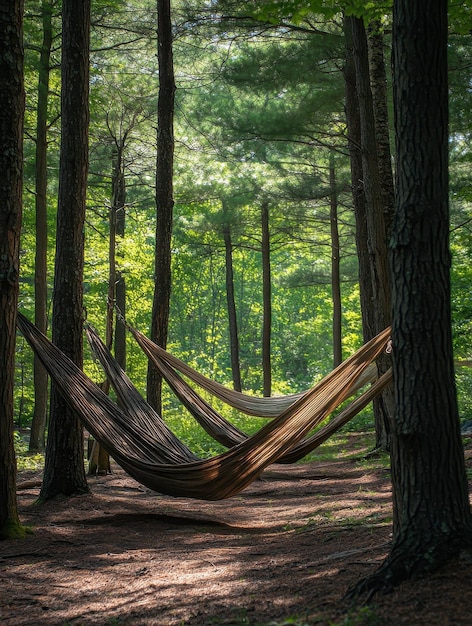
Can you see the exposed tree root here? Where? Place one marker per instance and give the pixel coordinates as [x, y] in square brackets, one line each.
[409, 563]
[14, 530]
[375, 453]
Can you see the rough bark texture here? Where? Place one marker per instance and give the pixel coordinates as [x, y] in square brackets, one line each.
[384, 405]
[358, 195]
[38, 425]
[377, 243]
[164, 195]
[432, 519]
[378, 82]
[335, 266]
[267, 302]
[64, 471]
[375, 217]
[11, 165]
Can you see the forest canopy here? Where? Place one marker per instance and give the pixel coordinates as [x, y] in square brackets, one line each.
[259, 125]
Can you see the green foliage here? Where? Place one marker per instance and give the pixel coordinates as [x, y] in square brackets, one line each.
[26, 460]
[294, 10]
[363, 616]
[460, 16]
[464, 392]
[297, 11]
[24, 396]
[257, 113]
[290, 621]
[184, 426]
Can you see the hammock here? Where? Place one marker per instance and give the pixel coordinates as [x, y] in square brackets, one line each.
[250, 405]
[216, 478]
[214, 424]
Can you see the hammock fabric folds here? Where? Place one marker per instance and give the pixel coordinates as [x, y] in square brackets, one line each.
[157, 459]
[250, 405]
[215, 424]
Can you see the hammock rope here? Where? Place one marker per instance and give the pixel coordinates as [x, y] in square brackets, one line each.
[163, 470]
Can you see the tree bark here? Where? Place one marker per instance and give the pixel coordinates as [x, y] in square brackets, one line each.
[375, 218]
[164, 196]
[12, 107]
[335, 265]
[231, 305]
[267, 302]
[432, 519]
[378, 82]
[116, 229]
[384, 404]
[120, 285]
[38, 425]
[99, 458]
[358, 195]
[64, 471]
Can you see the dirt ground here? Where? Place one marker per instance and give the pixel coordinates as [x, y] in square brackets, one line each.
[283, 552]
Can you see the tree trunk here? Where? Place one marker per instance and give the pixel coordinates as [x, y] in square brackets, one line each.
[267, 302]
[98, 457]
[232, 317]
[378, 82]
[64, 471]
[164, 195]
[111, 261]
[375, 219]
[384, 404]
[335, 265]
[12, 107]
[432, 519]
[38, 425]
[119, 196]
[358, 195]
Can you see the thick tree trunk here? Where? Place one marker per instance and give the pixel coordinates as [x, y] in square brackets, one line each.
[12, 107]
[231, 305]
[38, 425]
[335, 266]
[267, 302]
[432, 518]
[64, 471]
[164, 195]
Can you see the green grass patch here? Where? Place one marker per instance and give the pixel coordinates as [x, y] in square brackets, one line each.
[25, 460]
[363, 616]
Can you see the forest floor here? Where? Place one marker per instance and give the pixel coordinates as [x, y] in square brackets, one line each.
[285, 551]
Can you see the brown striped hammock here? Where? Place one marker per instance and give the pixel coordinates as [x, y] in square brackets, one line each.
[213, 422]
[144, 447]
[250, 405]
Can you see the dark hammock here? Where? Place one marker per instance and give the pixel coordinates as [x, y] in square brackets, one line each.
[151, 463]
[213, 422]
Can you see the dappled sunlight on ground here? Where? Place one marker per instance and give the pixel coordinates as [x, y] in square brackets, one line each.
[290, 545]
